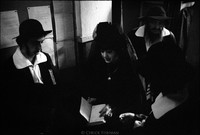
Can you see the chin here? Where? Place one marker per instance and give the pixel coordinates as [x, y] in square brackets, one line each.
[36, 52]
[107, 61]
[156, 32]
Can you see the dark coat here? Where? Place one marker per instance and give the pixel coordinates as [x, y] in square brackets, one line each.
[164, 64]
[123, 91]
[165, 67]
[180, 121]
[27, 106]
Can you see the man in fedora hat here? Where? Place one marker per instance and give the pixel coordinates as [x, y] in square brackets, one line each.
[30, 82]
[151, 33]
[162, 64]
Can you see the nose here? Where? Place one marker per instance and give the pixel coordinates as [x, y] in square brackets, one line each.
[104, 54]
[40, 42]
[157, 26]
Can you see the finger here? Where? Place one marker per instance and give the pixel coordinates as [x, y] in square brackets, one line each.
[137, 122]
[108, 110]
[102, 111]
[109, 114]
[108, 107]
[121, 116]
[130, 114]
[102, 114]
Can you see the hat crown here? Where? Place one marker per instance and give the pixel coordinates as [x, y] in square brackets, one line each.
[156, 11]
[31, 27]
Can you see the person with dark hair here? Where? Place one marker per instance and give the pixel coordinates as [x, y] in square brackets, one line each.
[167, 74]
[113, 80]
[29, 84]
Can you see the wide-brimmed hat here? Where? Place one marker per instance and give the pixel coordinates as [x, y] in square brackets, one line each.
[156, 12]
[32, 28]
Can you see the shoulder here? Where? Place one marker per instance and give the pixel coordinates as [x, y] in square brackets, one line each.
[169, 35]
[8, 71]
[47, 56]
[8, 64]
[47, 60]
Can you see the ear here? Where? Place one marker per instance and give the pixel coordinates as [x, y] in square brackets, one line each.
[21, 41]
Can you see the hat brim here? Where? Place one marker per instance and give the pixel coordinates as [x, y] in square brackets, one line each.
[37, 35]
[154, 17]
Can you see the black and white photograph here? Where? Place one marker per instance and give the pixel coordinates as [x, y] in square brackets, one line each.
[99, 67]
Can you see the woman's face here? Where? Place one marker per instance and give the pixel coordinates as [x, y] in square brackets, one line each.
[109, 56]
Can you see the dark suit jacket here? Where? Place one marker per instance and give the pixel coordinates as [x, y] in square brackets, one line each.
[163, 65]
[27, 106]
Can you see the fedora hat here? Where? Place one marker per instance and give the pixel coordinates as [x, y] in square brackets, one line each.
[156, 12]
[31, 28]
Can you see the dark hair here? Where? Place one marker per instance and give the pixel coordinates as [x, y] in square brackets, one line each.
[108, 37]
[21, 41]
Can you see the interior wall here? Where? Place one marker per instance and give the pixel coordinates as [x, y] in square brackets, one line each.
[64, 33]
[21, 6]
[131, 12]
[88, 15]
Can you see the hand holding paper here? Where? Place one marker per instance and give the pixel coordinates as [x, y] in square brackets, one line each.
[106, 111]
[91, 112]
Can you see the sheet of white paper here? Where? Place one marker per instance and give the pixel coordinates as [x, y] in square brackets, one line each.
[97, 11]
[9, 24]
[95, 113]
[85, 109]
[42, 14]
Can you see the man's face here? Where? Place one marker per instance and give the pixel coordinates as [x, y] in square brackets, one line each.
[153, 30]
[155, 26]
[109, 56]
[34, 46]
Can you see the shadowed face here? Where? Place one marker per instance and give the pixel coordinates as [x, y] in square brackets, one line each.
[109, 56]
[153, 29]
[34, 46]
[155, 26]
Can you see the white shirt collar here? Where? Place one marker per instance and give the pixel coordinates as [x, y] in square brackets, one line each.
[164, 104]
[140, 32]
[21, 62]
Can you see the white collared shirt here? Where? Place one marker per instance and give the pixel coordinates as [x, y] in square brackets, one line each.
[140, 33]
[21, 62]
[164, 104]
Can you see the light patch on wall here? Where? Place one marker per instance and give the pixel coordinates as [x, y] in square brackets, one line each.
[9, 26]
[91, 13]
[48, 47]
